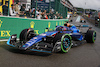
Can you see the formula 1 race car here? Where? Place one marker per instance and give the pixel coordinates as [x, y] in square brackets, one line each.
[82, 21]
[70, 20]
[59, 40]
[97, 20]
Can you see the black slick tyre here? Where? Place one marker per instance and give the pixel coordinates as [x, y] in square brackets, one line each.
[90, 36]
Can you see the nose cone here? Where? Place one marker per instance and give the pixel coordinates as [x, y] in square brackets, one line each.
[31, 42]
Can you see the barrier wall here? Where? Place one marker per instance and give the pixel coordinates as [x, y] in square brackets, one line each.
[9, 25]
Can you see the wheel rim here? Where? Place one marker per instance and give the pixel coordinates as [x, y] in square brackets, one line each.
[94, 36]
[66, 43]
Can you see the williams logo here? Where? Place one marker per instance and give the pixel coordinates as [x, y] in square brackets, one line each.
[0, 23]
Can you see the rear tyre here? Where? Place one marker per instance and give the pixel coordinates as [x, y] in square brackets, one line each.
[90, 36]
[65, 40]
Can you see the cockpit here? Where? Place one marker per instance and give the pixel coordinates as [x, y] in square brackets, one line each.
[65, 28]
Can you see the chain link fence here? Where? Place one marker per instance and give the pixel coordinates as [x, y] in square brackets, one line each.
[61, 8]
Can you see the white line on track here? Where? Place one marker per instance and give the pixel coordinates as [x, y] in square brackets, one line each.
[5, 40]
[78, 19]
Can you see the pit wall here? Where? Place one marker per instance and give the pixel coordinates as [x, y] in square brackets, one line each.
[10, 25]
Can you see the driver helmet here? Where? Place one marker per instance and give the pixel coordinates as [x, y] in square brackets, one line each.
[67, 24]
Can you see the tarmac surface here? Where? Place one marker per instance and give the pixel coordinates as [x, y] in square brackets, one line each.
[85, 55]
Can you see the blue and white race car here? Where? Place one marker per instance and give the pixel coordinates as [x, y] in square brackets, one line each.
[59, 40]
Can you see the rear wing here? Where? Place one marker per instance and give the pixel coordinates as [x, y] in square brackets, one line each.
[82, 25]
